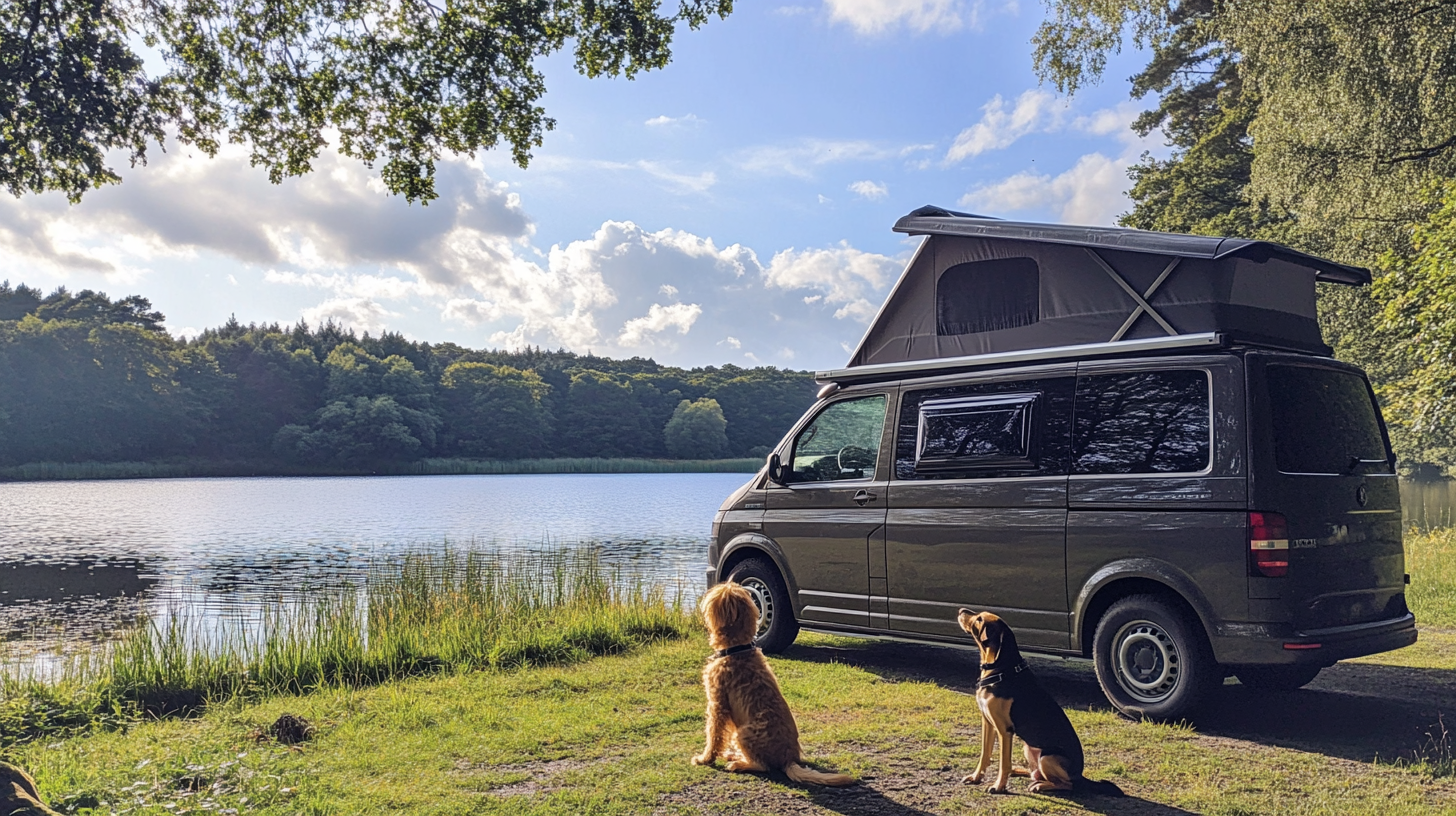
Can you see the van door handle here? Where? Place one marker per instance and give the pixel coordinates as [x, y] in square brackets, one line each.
[863, 497]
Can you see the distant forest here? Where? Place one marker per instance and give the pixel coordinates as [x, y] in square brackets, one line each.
[84, 378]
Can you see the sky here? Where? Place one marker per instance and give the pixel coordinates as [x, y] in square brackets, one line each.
[734, 207]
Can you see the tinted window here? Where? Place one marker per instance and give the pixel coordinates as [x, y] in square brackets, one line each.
[1148, 422]
[1025, 425]
[976, 432]
[843, 442]
[1324, 422]
[987, 295]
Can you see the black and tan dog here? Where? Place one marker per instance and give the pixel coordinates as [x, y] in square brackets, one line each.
[1013, 703]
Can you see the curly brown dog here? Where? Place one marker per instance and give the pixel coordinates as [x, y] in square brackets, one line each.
[749, 722]
[1012, 702]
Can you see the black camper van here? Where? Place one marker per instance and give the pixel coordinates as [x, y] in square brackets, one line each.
[1135, 447]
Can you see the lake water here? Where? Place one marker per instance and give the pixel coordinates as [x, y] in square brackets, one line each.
[81, 560]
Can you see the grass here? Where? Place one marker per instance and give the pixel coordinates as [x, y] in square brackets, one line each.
[191, 468]
[430, 613]
[1430, 558]
[613, 736]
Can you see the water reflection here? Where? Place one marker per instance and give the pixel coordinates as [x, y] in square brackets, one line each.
[80, 560]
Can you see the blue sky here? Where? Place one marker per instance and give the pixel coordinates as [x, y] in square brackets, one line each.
[733, 207]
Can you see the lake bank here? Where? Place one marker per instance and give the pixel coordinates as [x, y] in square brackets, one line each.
[209, 468]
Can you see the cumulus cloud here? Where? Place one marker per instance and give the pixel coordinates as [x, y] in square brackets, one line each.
[643, 331]
[843, 277]
[1001, 125]
[869, 189]
[1093, 191]
[337, 247]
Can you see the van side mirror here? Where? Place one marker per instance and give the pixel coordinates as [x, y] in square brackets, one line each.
[778, 472]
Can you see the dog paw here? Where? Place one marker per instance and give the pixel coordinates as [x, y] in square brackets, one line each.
[995, 789]
[704, 759]
[971, 779]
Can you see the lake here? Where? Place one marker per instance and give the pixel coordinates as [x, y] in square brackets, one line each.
[81, 560]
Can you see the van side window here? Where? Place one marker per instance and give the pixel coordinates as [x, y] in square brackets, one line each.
[1143, 422]
[842, 442]
[962, 432]
[985, 430]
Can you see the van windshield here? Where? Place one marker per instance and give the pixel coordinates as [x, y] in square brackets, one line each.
[1325, 421]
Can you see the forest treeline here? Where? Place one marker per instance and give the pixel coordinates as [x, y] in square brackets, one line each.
[87, 378]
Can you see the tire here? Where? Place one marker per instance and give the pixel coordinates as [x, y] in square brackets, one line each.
[1277, 678]
[1152, 660]
[777, 626]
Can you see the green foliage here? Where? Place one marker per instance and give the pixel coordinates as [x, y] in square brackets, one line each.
[397, 82]
[1418, 293]
[496, 412]
[697, 430]
[100, 388]
[1073, 42]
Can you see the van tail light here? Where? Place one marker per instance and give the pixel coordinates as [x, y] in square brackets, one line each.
[1268, 545]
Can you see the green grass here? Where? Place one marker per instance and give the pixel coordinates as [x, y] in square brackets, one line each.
[613, 736]
[430, 613]
[191, 468]
[1430, 558]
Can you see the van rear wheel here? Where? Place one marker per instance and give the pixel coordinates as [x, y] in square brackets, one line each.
[1152, 661]
[1277, 678]
[777, 626]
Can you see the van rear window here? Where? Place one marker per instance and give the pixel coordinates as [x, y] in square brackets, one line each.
[1325, 421]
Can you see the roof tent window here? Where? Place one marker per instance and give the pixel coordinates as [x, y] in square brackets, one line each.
[1145, 422]
[976, 432]
[982, 296]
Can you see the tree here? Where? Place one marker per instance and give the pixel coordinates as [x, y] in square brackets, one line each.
[601, 419]
[1419, 297]
[400, 82]
[495, 412]
[697, 430]
[359, 431]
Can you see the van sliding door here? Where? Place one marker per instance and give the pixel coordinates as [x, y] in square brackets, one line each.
[978, 506]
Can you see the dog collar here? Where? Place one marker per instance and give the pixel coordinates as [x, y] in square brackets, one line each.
[987, 682]
[733, 650]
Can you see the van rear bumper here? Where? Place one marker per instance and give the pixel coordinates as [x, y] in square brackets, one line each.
[1320, 646]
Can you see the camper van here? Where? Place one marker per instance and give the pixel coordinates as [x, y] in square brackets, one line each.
[1134, 447]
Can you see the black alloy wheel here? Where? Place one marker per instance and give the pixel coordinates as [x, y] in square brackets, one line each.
[1152, 661]
[777, 627]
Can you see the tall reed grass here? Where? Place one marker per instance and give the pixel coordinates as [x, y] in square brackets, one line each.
[424, 614]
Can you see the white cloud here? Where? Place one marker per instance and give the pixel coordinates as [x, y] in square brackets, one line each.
[731, 342]
[879, 16]
[1091, 192]
[697, 184]
[803, 158]
[999, 128]
[360, 314]
[869, 189]
[668, 289]
[671, 121]
[641, 331]
[844, 276]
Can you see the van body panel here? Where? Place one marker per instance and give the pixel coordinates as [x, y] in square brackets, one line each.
[1142, 568]
[992, 545]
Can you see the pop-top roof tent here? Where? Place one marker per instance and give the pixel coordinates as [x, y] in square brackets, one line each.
[982, 291]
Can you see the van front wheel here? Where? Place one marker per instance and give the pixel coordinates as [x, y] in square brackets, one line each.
[1152, 660]
[777, 627]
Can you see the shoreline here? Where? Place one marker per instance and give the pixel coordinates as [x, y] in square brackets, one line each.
[208, 468]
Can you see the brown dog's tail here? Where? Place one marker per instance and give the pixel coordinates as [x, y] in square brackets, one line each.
[799, 773]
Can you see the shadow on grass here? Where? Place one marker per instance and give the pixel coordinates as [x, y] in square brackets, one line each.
[1362, 712]
[864, 800]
